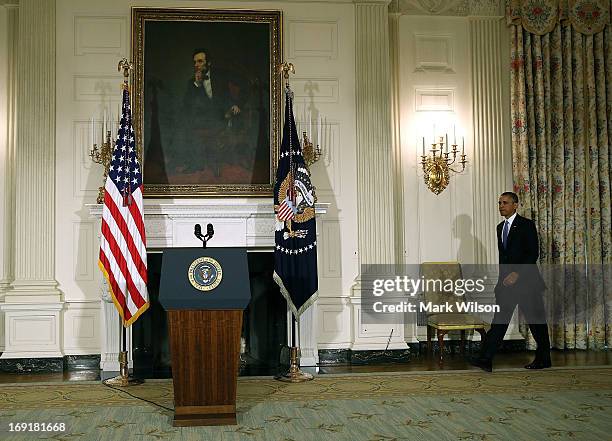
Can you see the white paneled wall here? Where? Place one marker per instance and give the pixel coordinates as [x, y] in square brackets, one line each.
[435, 90]
[93, 36]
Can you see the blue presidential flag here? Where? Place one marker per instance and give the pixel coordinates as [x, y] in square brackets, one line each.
[295, 253]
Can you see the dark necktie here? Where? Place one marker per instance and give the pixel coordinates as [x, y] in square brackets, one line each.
[505, 234]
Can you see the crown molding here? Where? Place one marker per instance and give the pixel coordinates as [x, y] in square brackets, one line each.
[457, 8]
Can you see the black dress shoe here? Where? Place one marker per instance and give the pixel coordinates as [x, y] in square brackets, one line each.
[483, 363]
[536, 364]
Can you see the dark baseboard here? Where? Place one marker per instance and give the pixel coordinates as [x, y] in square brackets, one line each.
[50, 365]
[350, 357]
[454, 346]
[82, 362]
[328, 357]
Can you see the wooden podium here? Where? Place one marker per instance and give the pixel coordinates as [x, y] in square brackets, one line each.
[205, 325]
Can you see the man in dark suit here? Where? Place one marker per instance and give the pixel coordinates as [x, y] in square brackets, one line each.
[208, 111]
[519, 283]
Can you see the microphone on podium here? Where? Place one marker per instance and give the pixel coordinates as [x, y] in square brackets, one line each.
[210, 232]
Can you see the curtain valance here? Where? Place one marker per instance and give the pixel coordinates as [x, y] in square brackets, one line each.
[540, 16]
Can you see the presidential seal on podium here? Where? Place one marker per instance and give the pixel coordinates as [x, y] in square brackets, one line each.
[205, 273]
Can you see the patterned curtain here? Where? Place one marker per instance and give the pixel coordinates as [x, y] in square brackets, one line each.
[561, 87]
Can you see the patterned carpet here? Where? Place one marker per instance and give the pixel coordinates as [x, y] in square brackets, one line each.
[556, 404]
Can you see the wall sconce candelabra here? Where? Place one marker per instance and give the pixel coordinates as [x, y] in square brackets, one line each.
[437, 165]
[102, 156]
[311, 152]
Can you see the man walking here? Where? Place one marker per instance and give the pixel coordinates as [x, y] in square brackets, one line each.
[519, 283]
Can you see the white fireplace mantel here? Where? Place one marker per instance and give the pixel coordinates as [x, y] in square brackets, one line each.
[237, 222]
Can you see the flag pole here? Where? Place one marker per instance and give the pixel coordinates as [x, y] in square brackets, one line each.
[123, 379]
[294, 374]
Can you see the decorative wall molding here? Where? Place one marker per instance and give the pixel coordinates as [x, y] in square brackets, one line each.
[434, 52]
[333, 314]
[331, 247]
[82, 327]
[319, 90]
[427, 100]
[448, 7]
[374, 336]
[32, 330]
[97, 88]
[100, 35]
[84, 251]
[313, 38]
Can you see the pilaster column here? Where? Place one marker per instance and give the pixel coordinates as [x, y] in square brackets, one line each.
[398, 175]
[35, 156]
[8, 82]
[33, 307]
[375, 164]
[492, 156]
[374, 145]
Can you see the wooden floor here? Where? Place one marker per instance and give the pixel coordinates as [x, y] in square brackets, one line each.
[420, 363]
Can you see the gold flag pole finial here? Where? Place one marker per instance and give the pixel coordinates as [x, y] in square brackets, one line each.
[127, 66]
[285, 68]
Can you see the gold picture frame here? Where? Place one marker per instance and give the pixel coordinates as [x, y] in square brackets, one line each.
[207, 100]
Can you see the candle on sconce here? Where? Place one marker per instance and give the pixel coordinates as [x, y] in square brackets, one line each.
[326, 135]
[434, 133]
[463, 145]
[454, 135]
[423, 146]
[446, 142]
[310, 124]
[93, 137]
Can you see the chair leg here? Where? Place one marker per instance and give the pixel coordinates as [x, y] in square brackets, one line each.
[462, 349]
[429, 339]
[441, 344]
[483, 336]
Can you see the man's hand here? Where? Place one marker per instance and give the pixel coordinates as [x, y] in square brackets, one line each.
[234, 110]
[510, 279]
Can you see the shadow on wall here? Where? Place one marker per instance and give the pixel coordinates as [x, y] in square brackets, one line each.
[469, 246]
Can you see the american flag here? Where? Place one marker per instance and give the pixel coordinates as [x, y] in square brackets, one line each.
[287, 209]
[123, 251]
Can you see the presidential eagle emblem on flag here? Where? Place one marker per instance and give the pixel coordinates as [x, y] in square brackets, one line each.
[295, 253]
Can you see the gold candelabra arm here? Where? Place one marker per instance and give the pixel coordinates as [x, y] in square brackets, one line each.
[311, 153]
[103, 156]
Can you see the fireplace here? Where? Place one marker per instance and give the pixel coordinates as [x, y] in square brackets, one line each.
[246, 223]
[264, 330]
